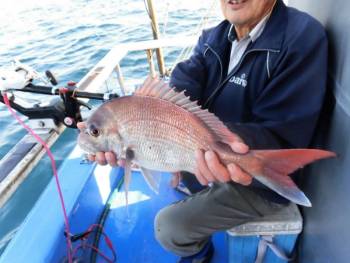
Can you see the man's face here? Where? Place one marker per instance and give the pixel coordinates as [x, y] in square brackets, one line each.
[245, 12]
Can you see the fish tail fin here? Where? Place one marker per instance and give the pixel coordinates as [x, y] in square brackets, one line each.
[272, 167]
[275, 165]
[286, 161]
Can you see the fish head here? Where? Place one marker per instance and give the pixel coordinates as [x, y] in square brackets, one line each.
[100, 133]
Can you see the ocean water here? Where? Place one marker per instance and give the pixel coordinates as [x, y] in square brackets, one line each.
[69, 37]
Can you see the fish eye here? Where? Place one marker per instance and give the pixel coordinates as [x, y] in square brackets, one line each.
[94, 131]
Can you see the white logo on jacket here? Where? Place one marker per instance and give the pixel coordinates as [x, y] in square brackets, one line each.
[240, 80]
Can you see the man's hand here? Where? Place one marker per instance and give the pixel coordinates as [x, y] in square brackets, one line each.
[175, 179]
[102, 158]
[210, 169]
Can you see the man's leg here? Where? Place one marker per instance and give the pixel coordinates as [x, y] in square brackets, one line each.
[185, 227]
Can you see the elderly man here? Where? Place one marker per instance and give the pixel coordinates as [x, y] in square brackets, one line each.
[262, 71]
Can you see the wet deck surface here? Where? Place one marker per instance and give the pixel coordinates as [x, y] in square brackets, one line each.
[133, 235]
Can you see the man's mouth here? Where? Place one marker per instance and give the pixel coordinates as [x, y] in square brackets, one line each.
[236, 3]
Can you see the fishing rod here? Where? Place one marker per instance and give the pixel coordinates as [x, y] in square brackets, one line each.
[66, 110]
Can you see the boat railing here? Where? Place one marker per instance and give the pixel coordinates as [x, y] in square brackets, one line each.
[25, 155]
[95, 79]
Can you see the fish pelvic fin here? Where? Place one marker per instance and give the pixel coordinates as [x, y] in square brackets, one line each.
[156, 88]
[277, 164]
[152, 178]
[129, 156]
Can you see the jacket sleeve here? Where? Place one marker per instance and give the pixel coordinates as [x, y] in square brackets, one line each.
[190, 74]
[286, 110]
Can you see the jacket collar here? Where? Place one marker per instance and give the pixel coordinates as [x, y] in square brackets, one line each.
[271, 38]
[274, 33]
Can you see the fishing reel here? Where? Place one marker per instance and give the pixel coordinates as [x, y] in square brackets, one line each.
[65, 105]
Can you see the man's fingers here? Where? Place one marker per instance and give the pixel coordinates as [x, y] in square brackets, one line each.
[100, 158]
[201, 179]
[111, 158]
[198, 173]
[91, 157]
[239, 147]
[121, 162]
[81, 125]
[103, 158]
[217, 169]
[203, 168]
[175, 179]
[237, 144]
[238, 176]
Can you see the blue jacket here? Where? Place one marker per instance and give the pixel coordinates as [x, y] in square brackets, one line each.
[273, 97]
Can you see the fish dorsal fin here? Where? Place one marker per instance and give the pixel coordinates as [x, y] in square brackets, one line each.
[153, 87]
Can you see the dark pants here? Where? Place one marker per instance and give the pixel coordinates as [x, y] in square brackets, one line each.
[186, 226]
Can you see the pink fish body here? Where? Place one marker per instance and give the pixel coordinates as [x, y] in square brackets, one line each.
[160, 129]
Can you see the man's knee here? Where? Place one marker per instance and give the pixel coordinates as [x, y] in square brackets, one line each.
[171, 228]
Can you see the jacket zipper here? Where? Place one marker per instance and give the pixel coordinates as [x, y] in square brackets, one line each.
[218, 57]
[221, 83]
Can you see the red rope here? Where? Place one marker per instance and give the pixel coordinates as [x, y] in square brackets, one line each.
[98, 251]
[66, 221]
[83, 246]
[53, 164]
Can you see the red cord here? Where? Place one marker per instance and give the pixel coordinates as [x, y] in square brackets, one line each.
[95, 249]
[53, 164]
[107, 239]
[98, 251]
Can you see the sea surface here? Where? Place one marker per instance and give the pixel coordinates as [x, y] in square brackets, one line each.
[69, 37]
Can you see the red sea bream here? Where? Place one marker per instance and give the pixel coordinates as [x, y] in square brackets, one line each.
[160, 129]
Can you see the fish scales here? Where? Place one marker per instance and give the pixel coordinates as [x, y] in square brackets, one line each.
[165, 112]
[152, 132]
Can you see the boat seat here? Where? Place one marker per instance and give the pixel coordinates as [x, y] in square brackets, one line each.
[269, 239]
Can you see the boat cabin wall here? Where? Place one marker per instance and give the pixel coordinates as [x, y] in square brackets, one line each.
[326, 235]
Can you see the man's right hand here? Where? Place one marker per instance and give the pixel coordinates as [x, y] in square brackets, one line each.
[102, 158]
[210, 169]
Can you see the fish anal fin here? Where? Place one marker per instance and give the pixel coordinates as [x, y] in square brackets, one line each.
[152, 178]
[283, 185]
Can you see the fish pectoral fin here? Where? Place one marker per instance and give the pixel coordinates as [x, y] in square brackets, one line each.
[152, 178]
